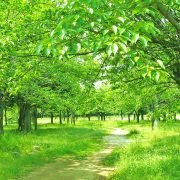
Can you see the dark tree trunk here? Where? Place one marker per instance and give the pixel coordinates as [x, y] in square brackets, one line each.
[142, 116]
[121, 115]
[104, 117]
[1, 118]
[60, 117]
[89, 117]
[5, 115]
[175, 117]
[152, 122]
[134, 116]
[24, 120]
[35, 116]
[129, 118]
[73, 121]
[101, 117]
[52, 118]
[137, 115]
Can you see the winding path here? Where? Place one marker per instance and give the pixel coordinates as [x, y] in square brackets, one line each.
[88, 169]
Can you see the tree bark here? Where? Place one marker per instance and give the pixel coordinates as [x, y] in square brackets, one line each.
[1, 119]
[167, 14]
[121, 115]
[35, 116]
[129, 118]
[142, 116]
[52, 118]
[152, 122]
[5, 115]
[24, 120]
[137, 115]
[89, 117]
[60, 117]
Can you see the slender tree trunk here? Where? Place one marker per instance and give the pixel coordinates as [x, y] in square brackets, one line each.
[5, 115]
[137, 115]
[175, 117]
[60, 117]
[89, 117]
[152, 122]
[27, 120]
[121, 115]
[1, 118]
[142, 116]
[129, 118]
[52, 118]
[35, 116]
[104, 117]
[134, 116]
[73, 119]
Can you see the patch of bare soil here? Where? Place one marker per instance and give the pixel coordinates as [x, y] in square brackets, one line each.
[90, 168]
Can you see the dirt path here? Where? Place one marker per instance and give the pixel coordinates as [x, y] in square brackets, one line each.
[88, 169]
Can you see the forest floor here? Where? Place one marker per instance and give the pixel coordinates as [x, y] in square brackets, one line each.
[90, 168]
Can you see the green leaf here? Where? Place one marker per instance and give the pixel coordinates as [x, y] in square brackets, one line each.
[91, 10]
[161, 64]
[155, 75]
[39, 49]
[47, 51]
[114, 29]
[121, 19]
[135, 38]
[121, 30]
[109, 50]
[123, 47]
[144, 41]
[115, 48]
[78, 47]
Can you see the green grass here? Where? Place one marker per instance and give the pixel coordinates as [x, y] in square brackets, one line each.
[20, 153]
[156, 157]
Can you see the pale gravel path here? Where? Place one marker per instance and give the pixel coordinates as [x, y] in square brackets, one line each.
[89, 169]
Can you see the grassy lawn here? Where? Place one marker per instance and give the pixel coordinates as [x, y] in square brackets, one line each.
[156, 156]
[20, 153]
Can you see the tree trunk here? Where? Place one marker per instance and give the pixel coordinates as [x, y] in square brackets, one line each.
[121, 115]
[152, 122]
[142, 116]
[24, 120]
[5, 115]
[129, 118]
[134, 116]
[52, 118]
[73, 119]
[175, 117]
[104, 117]
[137, 115]
[1, 118]
[89, 117]
[60, 117]
[35, 116]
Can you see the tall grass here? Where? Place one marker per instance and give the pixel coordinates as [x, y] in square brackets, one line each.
[20, 153]
[156, 156]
